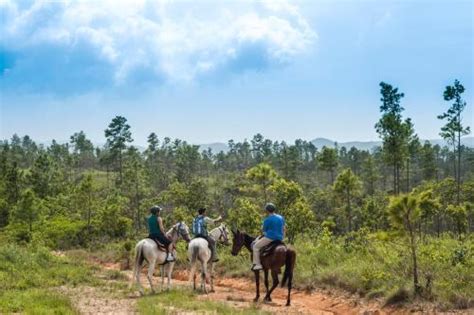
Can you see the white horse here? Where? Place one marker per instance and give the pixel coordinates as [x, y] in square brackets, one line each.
[198, 249]
[148, 250]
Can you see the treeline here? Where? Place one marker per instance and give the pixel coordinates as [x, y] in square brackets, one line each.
[70, 194]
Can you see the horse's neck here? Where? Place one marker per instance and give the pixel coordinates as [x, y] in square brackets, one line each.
[172, 234]
[248, 240]
[215, 233]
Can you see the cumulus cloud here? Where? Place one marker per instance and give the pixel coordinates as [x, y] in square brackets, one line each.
[122, 41]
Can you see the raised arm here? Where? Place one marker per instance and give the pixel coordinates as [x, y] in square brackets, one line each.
[213, 221]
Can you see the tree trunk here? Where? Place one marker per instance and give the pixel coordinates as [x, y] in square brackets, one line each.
[458, 199]
[416, 284]
[395, 179]
[349, 210]
[120, 166]
[408, 175]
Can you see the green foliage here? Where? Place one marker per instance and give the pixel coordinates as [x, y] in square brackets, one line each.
[35, 267]
[246, 216]
[28, 209]
[328, 161]
[348, 187]
[292, 204]
[35, 302]
[27, 273]
[261, 177]
[404, 212]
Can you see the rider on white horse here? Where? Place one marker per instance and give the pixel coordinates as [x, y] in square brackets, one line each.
[200, 230]
[157, 232]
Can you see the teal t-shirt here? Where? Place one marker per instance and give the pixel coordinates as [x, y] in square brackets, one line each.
[153, 227]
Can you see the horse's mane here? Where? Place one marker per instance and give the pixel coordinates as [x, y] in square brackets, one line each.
[170, 230]
[248, 239]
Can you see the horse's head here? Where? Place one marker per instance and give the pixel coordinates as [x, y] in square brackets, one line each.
[238, 242]
[223, 234]
[183, 231]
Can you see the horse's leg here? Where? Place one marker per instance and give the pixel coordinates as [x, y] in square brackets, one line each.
[151, 270]
[192, 274]
[265, 273]
[257, 284]
[162, 274]
[203, 276]
[170, 271]
[138, 270]
[290, 283]
[212, 276]
[274, 284]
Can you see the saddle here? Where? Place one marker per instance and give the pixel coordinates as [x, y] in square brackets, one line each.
[270, 248]
[161, 247]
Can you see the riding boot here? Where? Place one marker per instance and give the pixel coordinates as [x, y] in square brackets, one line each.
[169, 257]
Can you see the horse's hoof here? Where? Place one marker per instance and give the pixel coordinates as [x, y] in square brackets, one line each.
[255, 300]
[267, 299]
[212, 291]
[288, 304]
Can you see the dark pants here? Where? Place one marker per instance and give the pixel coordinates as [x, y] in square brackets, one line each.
[212, 245]
[160, 239]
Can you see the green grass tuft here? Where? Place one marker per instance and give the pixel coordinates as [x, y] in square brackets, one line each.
[177, 301]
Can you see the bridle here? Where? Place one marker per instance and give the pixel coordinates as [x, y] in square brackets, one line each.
[223, 237]
[178, 228]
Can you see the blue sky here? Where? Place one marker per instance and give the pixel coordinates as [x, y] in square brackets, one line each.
[211, 71]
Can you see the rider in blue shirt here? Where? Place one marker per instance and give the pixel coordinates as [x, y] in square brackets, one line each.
[273, 229]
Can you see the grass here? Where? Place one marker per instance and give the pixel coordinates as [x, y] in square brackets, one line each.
[28, 276]
[177, 301]
[34, 301]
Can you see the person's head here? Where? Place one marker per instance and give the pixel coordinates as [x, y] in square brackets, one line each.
[155, 210]
[270, 208]
[202, 211]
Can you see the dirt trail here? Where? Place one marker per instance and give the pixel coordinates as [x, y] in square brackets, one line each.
[238, 293]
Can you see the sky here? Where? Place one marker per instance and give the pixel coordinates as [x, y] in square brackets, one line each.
[210, 71]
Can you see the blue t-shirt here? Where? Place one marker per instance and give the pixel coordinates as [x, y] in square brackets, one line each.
[273, 227]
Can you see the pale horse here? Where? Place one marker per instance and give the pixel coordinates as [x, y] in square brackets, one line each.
[198, 250]
[147, 250]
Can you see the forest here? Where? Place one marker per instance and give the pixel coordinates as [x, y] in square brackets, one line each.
[394, 222]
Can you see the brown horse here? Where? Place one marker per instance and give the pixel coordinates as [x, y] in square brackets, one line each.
[280, 256]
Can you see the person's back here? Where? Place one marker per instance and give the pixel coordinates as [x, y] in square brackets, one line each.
[200, 226]
[153, 227]
[156, 232]
[273, 227]
[200, 230]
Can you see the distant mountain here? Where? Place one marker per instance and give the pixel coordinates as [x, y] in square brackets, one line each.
[217, 147]
[361, 145]
[369, 145]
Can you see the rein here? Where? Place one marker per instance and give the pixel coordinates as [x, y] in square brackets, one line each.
[223, 236]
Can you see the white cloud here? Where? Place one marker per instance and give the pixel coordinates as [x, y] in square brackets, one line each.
[175, 40]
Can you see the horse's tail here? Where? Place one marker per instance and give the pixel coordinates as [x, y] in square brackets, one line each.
[138, 261]
[194, 254]
[290, 262]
